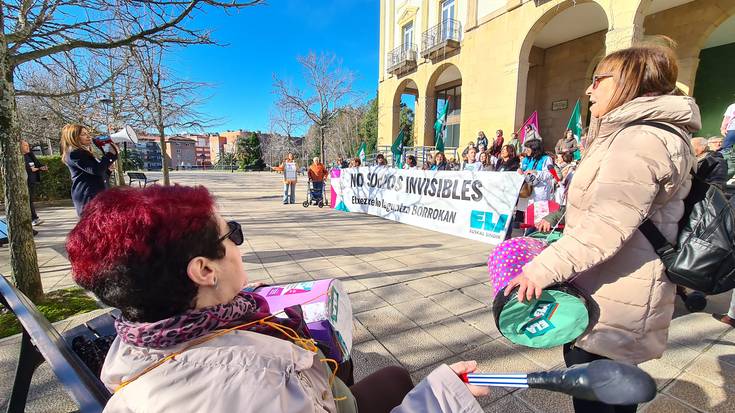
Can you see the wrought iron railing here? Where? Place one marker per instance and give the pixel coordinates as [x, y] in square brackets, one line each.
[402, 54]
[448, 29]
[420, 152]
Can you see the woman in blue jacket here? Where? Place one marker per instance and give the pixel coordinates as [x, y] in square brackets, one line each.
[535, 167]
[87, 172]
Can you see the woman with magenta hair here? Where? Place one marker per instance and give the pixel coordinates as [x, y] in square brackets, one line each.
[191, 340]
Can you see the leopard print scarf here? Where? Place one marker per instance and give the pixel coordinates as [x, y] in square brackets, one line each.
[192, 324]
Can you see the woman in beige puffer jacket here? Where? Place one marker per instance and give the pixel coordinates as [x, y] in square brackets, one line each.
[629, 172]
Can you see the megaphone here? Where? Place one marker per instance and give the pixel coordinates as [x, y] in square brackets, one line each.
[126, 134]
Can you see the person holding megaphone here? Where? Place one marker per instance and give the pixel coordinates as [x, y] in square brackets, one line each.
[87, 172]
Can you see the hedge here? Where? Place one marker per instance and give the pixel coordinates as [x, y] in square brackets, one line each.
[55, 183]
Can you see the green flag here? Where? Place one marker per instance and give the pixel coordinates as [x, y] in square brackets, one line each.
[397, 149]
[439, 127]
[575, 125]
[361, 152]
[575, 122]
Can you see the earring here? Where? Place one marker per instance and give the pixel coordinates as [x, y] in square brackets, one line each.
[214, 284]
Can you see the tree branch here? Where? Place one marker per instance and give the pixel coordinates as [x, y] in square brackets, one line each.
[145, 34]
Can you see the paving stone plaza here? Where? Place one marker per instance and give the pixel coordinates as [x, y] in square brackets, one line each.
[420, 298]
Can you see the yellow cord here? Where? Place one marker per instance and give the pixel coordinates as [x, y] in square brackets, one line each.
[306, 344]
[333, 375]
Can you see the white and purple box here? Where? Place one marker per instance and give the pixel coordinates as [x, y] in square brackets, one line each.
[326, 307]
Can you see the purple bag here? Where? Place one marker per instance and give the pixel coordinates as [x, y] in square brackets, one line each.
[326, 307]
[507, 260]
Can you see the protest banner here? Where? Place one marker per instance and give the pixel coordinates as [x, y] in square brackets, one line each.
[289, 171]
[333, 176]
[474, 205]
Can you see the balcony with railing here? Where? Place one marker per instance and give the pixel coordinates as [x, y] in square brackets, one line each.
[402, 59]
[441, 39]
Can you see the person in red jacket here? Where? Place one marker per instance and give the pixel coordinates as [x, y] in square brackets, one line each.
[317, 171]
[497, 144]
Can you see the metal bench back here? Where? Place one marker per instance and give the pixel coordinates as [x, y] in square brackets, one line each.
[137, 175]
[3, 232]
[82, 385]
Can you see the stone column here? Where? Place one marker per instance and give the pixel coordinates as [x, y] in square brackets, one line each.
[425, 122]
[424, 24]
[626, 26]
[520, 69]
[687, 73]
[395, 122]
[621, 37]
[471, 15]
[381, 56]
[391, 25]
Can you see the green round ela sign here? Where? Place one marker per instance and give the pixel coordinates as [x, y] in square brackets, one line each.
[556, 318]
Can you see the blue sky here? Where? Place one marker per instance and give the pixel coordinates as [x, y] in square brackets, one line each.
[264, 40]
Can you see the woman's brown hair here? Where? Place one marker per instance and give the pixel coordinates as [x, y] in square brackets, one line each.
[511, 151]
[648, 70]
[70, 134]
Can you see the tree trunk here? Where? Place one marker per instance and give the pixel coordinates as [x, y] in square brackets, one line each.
[164, 159]
[23, 259]
[119, 170]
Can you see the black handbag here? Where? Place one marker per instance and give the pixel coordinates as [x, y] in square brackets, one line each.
[703, 258]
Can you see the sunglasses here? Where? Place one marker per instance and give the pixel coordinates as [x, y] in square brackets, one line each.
[234, 234]
[597, 78]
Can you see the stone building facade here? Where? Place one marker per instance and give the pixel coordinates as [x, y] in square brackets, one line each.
[499, 60]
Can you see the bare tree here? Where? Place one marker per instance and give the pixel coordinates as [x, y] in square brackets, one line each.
[342, 133]
[167, 103]
[329, 87]
[118, 99]
[41, 31]
[43, 104]
[284, 120]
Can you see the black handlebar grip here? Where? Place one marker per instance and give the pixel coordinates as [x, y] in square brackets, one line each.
[606, 381]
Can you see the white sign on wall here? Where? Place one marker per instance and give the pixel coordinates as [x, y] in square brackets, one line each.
[469, 204]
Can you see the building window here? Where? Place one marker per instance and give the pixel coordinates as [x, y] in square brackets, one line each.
[447, 19]
[407, 36]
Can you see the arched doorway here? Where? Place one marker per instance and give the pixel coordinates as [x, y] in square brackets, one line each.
[444, 90]
[557, 59]
[704, 33]
[714, 88]
[404, 108]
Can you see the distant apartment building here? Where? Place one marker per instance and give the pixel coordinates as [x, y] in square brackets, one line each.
[181, 151]
[216, 147]
[226, 142]
[201, 148]
[150, 152]
[231, 138]
[203, 151]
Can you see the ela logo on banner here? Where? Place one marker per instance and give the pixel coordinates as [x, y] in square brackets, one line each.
[483, 220]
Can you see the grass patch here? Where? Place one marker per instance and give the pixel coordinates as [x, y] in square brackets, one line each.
[58, 305]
